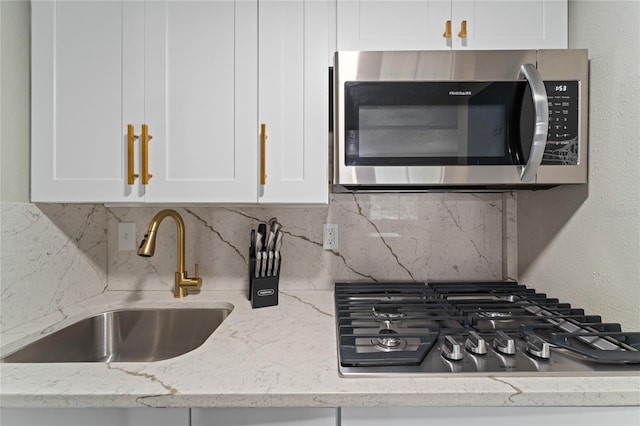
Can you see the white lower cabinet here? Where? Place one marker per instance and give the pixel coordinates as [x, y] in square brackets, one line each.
[494, 416]
[94, 416]
[263, 417]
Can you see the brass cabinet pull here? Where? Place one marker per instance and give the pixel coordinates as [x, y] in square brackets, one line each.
[131, 137]
[146, 137]
[463, 30]
[263, 154]
[447, 30]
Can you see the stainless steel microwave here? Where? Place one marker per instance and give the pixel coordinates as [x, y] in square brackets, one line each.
[458, 120]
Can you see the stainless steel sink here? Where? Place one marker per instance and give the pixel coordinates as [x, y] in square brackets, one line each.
[135, 335]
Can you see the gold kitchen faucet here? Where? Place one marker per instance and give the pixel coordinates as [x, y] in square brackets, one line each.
[148, 246]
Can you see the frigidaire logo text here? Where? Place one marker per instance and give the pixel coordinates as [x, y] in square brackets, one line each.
[460, 93]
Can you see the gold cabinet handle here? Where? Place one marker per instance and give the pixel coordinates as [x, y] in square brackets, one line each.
[463, 30]
[131, 137]
[447, 30]
[146, 137]
[263, 154]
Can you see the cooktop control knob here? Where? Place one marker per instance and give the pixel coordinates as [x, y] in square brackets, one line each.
[475, 344]
[504, 344]
[451, 350]
[538, 347]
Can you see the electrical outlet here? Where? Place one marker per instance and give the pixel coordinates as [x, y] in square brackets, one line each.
[330, 236]
[127, 236]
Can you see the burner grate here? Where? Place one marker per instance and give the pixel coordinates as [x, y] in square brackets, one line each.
[414, 327]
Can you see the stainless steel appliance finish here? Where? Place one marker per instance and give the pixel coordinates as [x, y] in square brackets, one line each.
[140, 335]
[425, 120]
[396, 328]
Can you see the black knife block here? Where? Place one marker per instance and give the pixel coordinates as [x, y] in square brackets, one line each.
[263, 291]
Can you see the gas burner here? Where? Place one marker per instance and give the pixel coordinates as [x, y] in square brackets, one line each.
[472, 327]
[388, 342]
[387, 312]
[495, 315]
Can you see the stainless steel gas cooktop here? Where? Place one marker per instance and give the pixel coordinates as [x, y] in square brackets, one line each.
[391, 328]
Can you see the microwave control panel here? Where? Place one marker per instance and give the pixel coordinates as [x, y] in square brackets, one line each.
[562, 139]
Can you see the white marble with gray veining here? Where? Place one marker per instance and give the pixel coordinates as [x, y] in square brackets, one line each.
[53, 255]
[280, 356]
[412, 237]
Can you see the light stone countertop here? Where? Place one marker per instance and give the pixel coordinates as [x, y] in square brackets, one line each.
[280, 356]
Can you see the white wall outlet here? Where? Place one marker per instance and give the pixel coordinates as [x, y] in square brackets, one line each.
[330, 236]
[127, 236]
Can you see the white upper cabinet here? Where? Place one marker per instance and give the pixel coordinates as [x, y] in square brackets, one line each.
[187, 71]
[451, 24]
[186, 75]
[392, 25]
[293, 100]
[201, 100]
[85, 86]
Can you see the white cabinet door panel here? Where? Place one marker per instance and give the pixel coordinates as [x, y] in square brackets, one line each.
[263, 417]
[80, 68]
[95, 417]
[392, 25]
[495, 416]
[513, 24]
[421, 24]
[201, 100]
[293, 100]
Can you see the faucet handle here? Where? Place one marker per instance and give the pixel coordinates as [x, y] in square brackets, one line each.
[197, 272]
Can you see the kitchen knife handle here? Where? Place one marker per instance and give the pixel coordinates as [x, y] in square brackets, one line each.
[256, 271]
[146, 137]
[263, 154]
[131, 137]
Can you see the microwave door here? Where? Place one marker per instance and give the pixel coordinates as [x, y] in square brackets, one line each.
[541, 122]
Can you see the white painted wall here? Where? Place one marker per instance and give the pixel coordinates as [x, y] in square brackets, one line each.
[582, 244]
[14, 106]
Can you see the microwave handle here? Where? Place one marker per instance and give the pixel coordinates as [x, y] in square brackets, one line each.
[541, 128]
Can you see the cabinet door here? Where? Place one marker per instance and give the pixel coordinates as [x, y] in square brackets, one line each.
[293, 99]
[85, 86]
[263, 416]
[201, 100]
[496, 416]
[513, 24]
[422, 25]
[95, 417]
[393, 25]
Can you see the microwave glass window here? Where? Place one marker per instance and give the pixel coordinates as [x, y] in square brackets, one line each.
[432, 131]
[428, 125]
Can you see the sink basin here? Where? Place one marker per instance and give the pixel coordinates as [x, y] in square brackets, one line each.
[135, 335]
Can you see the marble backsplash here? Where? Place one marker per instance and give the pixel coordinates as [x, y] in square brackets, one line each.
[381, 237]
[54, 255]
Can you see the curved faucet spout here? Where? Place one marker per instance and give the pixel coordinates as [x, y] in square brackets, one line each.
[148, 246]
